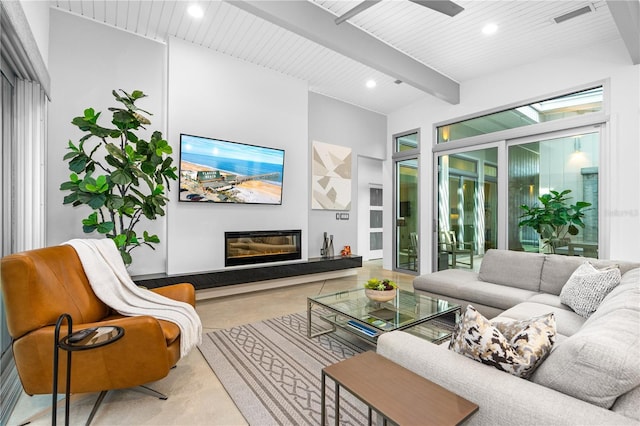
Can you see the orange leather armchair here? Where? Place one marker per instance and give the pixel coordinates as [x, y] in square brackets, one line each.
[40, 285]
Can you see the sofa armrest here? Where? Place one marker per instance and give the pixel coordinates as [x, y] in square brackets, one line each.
[502, 397]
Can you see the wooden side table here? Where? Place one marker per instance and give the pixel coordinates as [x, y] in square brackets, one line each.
[397, 394]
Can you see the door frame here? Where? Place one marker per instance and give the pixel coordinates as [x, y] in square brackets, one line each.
[397, 157]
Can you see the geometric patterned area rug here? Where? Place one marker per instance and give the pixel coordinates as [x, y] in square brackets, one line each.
[272, 371]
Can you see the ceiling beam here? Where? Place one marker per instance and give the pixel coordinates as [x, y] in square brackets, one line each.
[310, 21]
[626, 15]
[366, 4]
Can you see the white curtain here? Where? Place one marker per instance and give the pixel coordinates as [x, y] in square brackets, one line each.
[29, 151]
[24, 135]
[23, 140]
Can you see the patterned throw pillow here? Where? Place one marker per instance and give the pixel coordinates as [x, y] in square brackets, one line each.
[587, 287]
[518, 351]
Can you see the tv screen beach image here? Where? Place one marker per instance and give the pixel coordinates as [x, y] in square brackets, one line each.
[218, 171]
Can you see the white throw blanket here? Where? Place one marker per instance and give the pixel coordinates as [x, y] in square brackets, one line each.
[112, 284]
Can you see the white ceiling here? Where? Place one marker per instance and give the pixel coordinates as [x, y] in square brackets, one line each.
[454, 47]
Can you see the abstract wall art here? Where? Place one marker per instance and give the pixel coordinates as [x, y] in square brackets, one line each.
[331, 177]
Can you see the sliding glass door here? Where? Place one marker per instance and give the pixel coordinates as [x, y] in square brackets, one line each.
[406, 177]
[406, 215]
[484, 195]
[467, 207]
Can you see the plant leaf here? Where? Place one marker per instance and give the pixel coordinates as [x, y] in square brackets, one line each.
[150, 238]
[120, 177]
[71, 198]
[79, 163]
[105, 227]
[97, 201]
[137, 94]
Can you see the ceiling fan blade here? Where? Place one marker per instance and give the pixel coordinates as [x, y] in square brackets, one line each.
[355, 10]
[443, 6]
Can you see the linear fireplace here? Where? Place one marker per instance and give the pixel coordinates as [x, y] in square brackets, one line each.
[248, 248]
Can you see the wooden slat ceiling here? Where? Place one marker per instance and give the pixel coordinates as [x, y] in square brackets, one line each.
[454, 46]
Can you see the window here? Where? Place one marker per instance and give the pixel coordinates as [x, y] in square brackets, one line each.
[484, 182]
[561, 107]
[407, 142]
[556, 164]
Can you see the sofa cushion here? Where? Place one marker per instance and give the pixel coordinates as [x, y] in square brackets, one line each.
[461, 284]
[518, 351]
[445, 280]
[549, 299]
[504, 399]
[499, 296]
[557, 269]
[624, 296]
[587, 287]
[512, 268]
[600, 362]
[629, 404]
[567, 321]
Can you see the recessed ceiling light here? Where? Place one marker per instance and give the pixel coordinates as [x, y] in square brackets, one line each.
[195, 11]
[371, 84]
[489, 29]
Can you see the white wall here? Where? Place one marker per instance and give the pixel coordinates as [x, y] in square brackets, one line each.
[338, 123]
[37, 13]
[87, 60]
[217, 96]
[621, 174]
[195, 90]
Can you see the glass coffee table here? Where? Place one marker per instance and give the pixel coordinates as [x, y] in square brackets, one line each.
[353, 311]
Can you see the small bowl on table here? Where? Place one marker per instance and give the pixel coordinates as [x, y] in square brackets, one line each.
[380, 295]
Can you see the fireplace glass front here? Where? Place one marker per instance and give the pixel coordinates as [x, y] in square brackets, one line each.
[246, 248]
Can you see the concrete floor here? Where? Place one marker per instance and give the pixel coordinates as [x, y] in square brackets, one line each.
[196, 397]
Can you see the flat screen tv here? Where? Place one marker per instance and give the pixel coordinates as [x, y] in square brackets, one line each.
[219, 171]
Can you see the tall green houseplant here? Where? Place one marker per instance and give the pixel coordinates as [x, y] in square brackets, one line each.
[119, 175]
[555, 219]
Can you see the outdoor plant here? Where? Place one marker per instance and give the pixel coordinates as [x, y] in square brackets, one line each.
[380, 285]
[119, 175]
[555, 219]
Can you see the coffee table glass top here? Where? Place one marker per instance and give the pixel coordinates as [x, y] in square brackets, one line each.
[351, 309]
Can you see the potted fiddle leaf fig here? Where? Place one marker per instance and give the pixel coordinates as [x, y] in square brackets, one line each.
[119, 175]
[555, 219]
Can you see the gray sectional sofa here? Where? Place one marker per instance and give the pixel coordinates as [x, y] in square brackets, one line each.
[591, 376]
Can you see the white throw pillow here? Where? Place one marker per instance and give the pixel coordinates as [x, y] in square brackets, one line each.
[587, 287]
